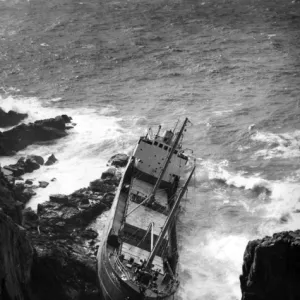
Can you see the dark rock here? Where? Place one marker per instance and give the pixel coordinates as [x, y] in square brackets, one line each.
[29, 192]
[43, 184]
[58, 122]
[51, 160]
[16, 256]
[53, 179]
[8, 175]
[25, 165]
[85, 201]
[89, 234]
[63, 270]
[119, 160]
[40, 131]
[99, 185]
[36, 158]
[11, 118]
[108, 198]
[59, 198]
[109, 173]
[15, 169]
[28, 181]
[62, 267]
[30, 165]
[9, 200]
[111, 176]
[271, 268]
[30, 218]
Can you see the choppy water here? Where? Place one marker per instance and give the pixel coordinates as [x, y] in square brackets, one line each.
[119, 67]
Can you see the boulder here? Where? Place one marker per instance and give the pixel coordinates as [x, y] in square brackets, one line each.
[59, 198]
[36, 158]
[99, 185]
[89, 234]
[23, 135]
[118, 160]
[10, 118]
[29, 193]
[8, 174]
[30, 218]
[25, 165]
[271, 268]
[15, 169]
[51, 160]
[43, 184]
[109, 173]
[30, 165]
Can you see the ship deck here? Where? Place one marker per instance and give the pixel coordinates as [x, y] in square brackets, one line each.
[139, 254]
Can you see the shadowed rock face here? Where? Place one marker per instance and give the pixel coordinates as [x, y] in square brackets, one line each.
[53, 256]
[271, 268]
[23, 135]
[9, 201]
[11, 118]
[16, 255]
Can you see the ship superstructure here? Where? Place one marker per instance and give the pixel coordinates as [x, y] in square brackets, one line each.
[138, 257]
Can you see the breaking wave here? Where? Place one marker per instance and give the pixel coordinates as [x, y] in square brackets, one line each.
[284, 145]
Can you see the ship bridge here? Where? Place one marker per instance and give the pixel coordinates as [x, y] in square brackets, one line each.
[151, 156]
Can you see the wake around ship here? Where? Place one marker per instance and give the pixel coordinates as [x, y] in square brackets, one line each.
[138, 258]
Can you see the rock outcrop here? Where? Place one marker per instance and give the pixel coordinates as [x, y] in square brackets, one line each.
[16, 256]
[9, 201]
[56, 258]
[64, 264]
[23, 135]
[25, 165]
[10, 118]
[16, 252]
[51, 160]
[271, 268]
[51, 254]
[118, 160]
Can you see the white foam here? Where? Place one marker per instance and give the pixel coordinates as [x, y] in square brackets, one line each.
[218, 171]
[222, 112]
[285, 145]
[211, 264]
[82, 154]
[281, 212]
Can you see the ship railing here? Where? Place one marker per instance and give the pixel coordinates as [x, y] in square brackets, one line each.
[122, 268]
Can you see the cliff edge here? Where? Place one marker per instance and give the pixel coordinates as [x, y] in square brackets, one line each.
[271, 268]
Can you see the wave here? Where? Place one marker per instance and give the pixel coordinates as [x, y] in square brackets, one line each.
[215, 260]
[217, 172]
[283, 206]
[82, 154]
[284, 145]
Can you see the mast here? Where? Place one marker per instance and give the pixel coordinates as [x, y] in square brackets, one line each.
[168, 221]
[163, 171]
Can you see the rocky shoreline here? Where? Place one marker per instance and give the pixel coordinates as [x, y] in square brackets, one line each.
[51, 253]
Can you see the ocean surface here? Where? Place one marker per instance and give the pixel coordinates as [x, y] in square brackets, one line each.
[119, 67]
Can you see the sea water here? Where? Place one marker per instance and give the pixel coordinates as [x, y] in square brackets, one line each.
[120, 67]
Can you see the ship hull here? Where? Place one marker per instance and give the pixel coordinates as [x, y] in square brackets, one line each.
[112, 286]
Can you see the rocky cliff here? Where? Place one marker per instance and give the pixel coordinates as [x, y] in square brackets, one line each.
[51, 253]
[16, 252]
[271, 268]
[16, 255]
